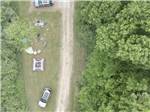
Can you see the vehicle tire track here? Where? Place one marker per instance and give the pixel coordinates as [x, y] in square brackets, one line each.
[67, 9]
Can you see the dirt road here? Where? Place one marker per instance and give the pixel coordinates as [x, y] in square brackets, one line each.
[67, 9]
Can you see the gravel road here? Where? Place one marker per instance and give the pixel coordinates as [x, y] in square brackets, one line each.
[67, 9]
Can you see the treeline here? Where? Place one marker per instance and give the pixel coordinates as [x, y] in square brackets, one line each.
[13, 31]
[117, 75]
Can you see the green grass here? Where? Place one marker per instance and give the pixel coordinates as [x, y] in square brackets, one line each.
[79, 57]
[78, 67]
[21, 82]
[35, 82]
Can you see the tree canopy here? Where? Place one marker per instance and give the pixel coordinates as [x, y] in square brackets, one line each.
[116, 78]
[20, 33]
[128, 37]
[13, 30]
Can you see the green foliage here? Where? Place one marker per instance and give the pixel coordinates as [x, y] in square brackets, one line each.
[111, 85]
[18, 31]
[128, 38]
[99, 13]
[84, 32]
[116, 78]
[7, 14]
[122, 28]
[12, 90]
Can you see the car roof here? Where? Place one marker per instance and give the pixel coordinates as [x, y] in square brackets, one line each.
[46, 94]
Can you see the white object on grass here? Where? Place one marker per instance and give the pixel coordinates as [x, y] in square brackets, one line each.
[38, 64]
[34, 52]
[39, 23]
[38, 51]
[29, 50]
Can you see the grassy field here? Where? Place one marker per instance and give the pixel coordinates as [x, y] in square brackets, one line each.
[79, 57]
[35, 82]
[78, 67]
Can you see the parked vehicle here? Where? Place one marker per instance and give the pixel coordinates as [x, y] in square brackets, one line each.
[42, 3]
[46, 94]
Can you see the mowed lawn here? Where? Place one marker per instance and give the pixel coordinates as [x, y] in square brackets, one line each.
[35, 82]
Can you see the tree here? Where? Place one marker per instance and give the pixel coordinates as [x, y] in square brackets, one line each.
[113, 86]
[8, 15]
[12, 90]
[128, 38]
[20, 33]
[116, 78]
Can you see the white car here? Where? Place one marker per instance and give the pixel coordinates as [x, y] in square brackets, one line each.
[42, 3]
[44, 98]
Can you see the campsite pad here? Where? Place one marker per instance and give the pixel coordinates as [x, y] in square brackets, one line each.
[36, 81]
[39, 43]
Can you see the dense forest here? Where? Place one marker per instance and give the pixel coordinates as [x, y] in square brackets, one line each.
[116, 36]
[13, 31]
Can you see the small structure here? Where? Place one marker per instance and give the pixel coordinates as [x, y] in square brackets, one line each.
[38, 64]
[29, 50]
[42, 3]
[40, 23]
